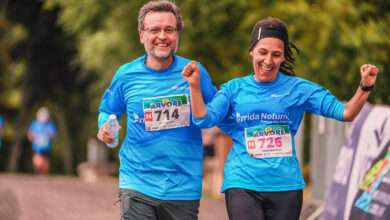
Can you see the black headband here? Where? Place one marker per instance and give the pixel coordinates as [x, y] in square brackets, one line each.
[263, 32]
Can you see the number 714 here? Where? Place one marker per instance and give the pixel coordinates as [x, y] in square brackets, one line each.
[175, 114]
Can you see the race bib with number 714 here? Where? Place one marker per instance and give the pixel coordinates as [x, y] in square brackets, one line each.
[166, 112]
[268, 141]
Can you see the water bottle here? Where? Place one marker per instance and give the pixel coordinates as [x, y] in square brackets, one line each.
[113, 128]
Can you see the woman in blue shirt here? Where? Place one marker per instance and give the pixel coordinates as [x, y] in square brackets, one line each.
[262, 177]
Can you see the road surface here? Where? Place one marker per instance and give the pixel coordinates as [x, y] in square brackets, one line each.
[30, 197]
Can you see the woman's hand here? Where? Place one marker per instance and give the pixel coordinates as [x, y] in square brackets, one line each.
[191, 74]
[369, 73]
[355, 104]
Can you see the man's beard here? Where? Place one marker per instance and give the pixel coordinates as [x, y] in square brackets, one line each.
[166, 57]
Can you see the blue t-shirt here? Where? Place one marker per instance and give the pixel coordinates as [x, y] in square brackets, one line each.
[273, 111]
[1, 128]
[43, 134]
[164, 164]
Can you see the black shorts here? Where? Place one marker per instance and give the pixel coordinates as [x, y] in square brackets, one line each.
[135, 205]
[243, 204]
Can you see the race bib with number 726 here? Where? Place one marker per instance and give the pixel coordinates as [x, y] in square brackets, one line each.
[166, 112]
[268, 141]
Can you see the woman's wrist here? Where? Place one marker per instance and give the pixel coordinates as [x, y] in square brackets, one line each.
[366, 88]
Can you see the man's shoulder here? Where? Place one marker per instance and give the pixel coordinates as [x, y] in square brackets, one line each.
[182, 61]
[131, 67]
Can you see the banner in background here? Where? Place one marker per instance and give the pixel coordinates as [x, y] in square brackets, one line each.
[361, 183]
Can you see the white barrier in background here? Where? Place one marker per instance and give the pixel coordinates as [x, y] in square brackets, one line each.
[327, 137]
[360, 183]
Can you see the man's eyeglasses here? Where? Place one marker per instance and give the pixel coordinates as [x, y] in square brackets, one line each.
[157, 30]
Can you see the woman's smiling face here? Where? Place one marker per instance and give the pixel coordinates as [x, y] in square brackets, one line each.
[267, 56]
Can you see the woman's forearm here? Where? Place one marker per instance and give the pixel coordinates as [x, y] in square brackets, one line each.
[198, 107]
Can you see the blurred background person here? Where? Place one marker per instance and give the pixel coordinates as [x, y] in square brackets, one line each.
[216, 146]
[41, 133]
[1, 129]
[208, 139]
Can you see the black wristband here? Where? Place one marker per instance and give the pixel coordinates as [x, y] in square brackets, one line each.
[366, 88]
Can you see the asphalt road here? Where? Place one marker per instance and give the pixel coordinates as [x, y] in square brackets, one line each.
[30, 197]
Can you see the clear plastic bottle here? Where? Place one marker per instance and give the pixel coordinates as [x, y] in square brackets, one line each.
[113, 128]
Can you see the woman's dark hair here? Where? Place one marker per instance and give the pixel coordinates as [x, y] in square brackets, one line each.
[286, 67]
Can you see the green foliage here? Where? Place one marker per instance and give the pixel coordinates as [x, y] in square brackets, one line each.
[336, 37]
[40, 69]
[107, 34]
[217, 35]
[10, 36]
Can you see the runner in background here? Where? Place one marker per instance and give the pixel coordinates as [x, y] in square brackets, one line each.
[1, 130]
[41, 133]
[216, 146]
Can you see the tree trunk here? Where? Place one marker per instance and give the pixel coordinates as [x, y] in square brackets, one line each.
[65, 139]
[16, 150]
[23, 117]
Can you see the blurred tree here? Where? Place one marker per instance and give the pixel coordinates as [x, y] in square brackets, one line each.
[8, 38]
[51, 76]
[106, 33]
[336, 37]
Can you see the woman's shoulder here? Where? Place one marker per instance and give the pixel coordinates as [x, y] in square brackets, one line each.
[239, 81]
[301, 84]
[296, 80]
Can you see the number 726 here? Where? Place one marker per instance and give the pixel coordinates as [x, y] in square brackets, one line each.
[270, 142]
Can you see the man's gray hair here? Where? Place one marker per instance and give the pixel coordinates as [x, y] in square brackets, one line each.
[160, 6]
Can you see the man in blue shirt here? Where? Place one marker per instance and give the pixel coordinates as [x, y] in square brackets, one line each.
[41, 133]
[1, 129]
[160, 175]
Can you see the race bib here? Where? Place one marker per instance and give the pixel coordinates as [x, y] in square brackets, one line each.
[268, 141]
[166, 112]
